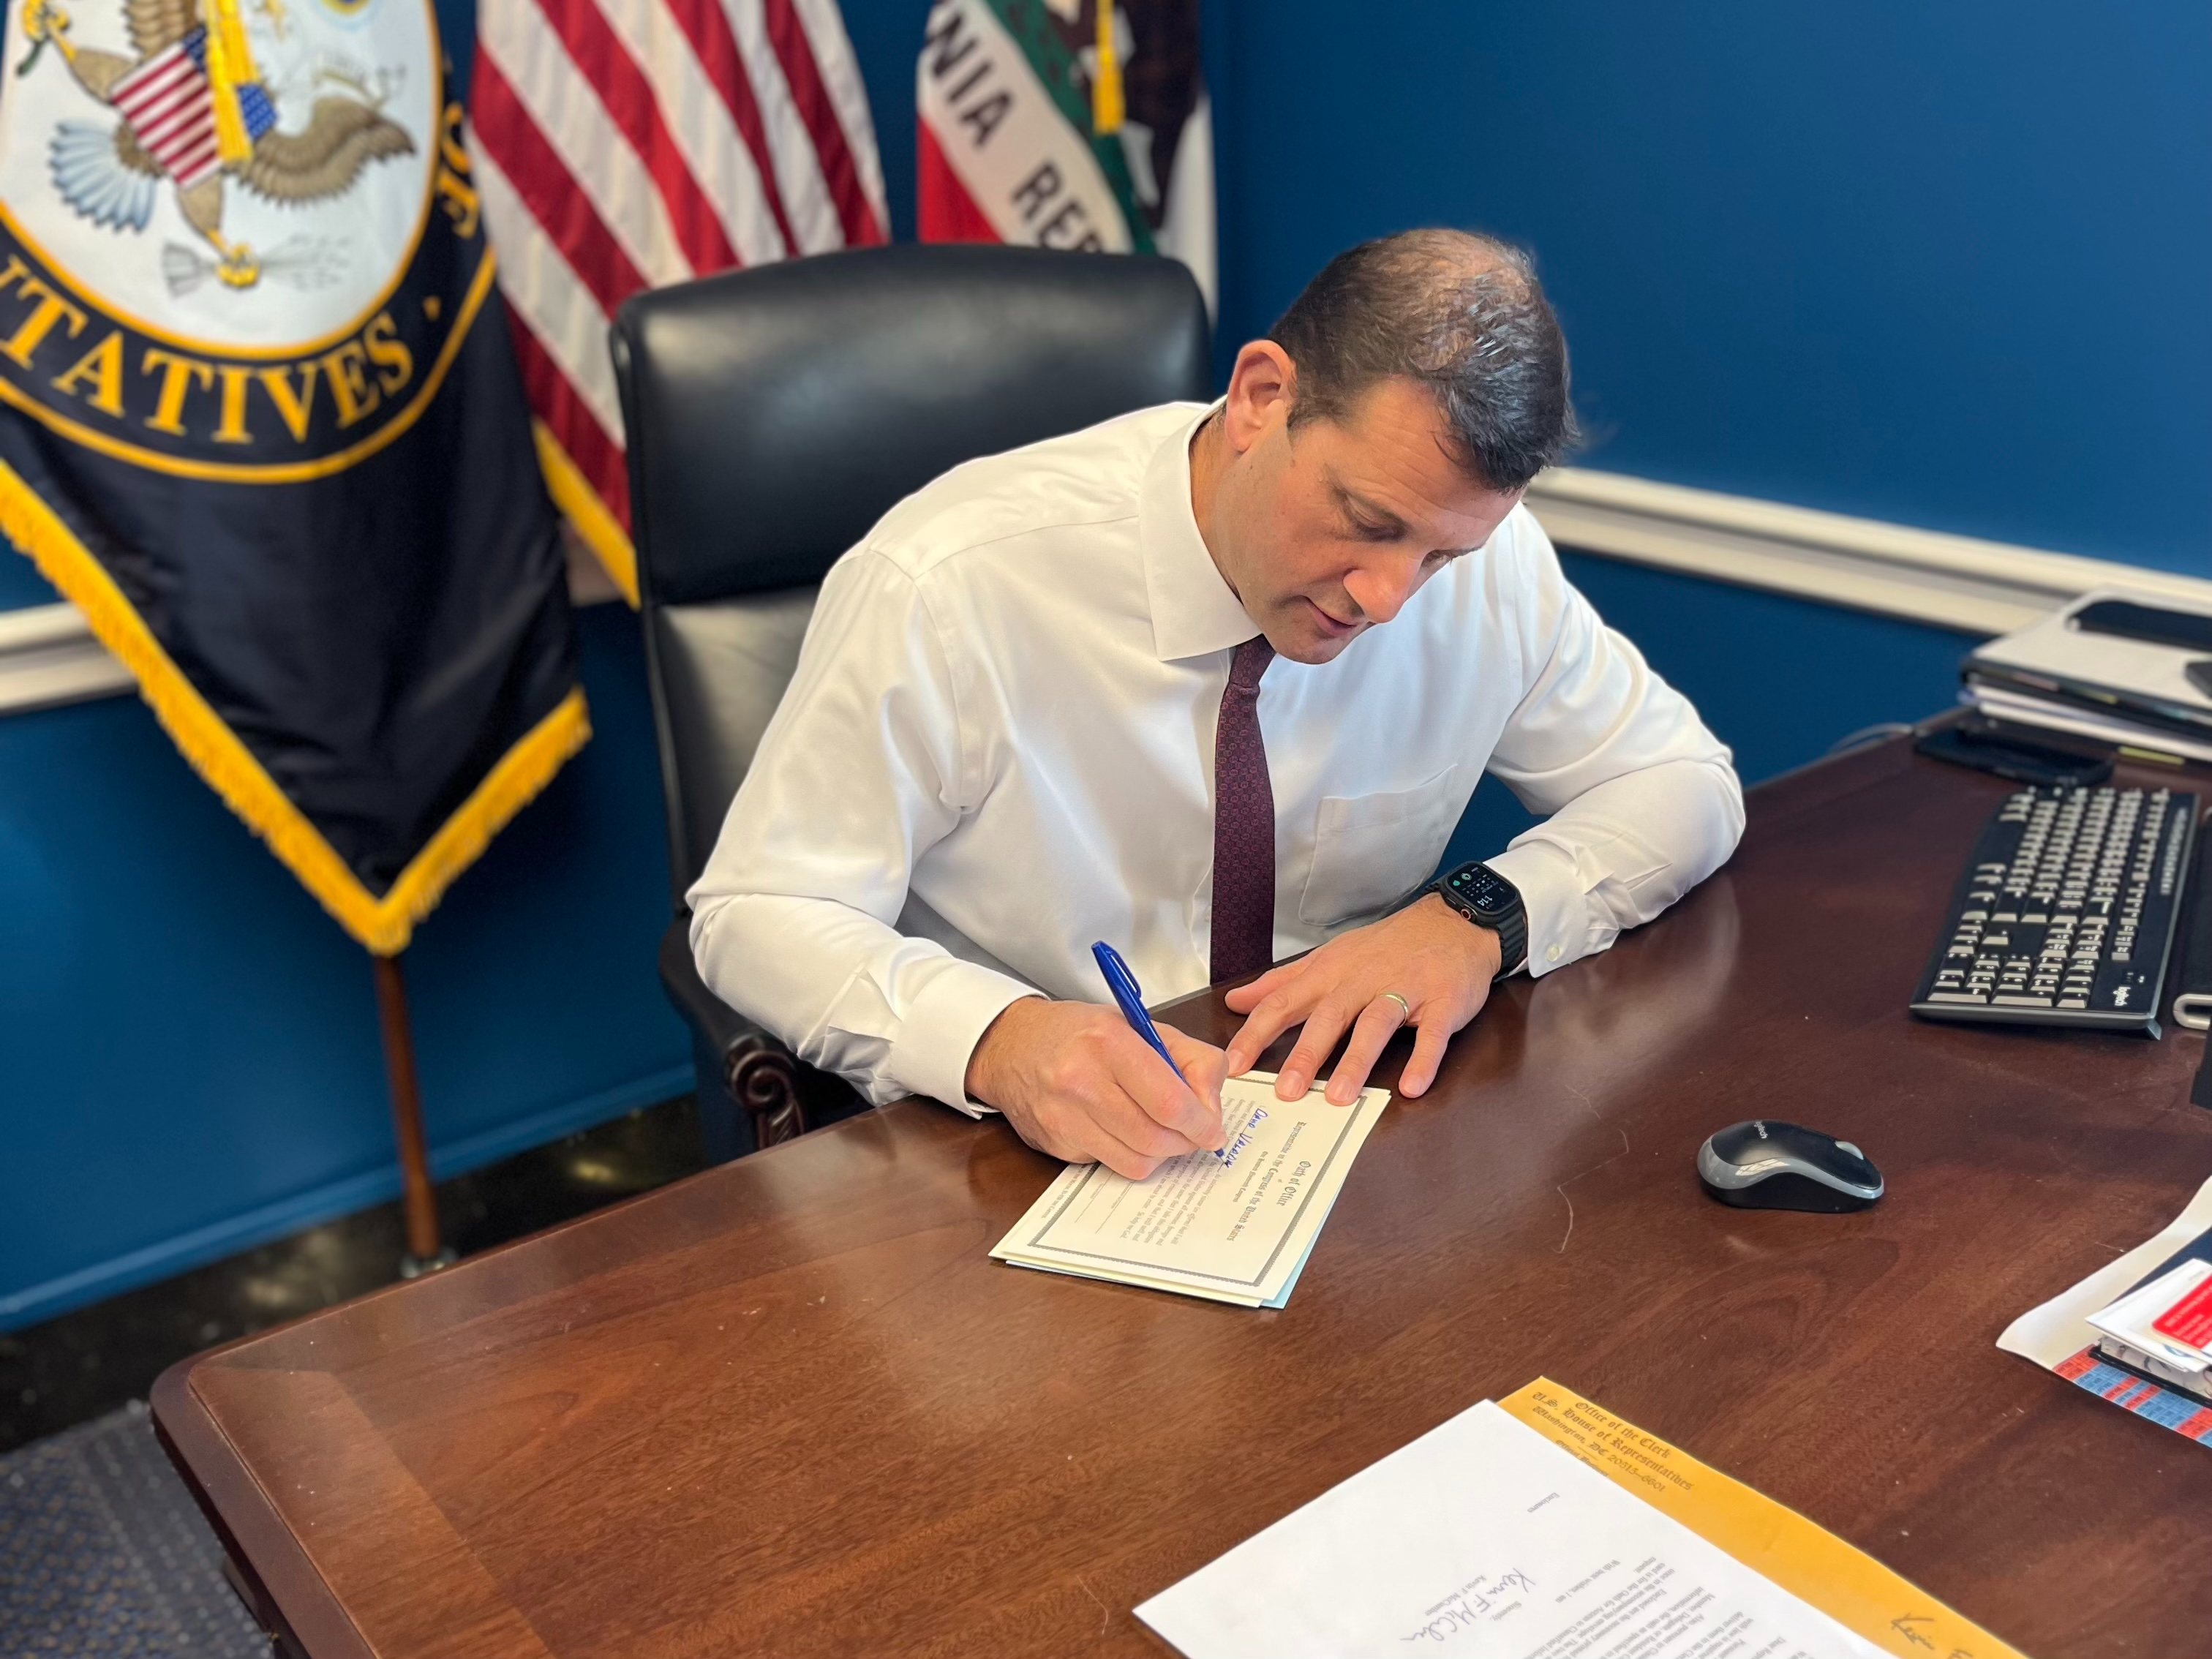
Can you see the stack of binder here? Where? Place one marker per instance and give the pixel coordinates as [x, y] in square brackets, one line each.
[2123, 668]
[2161, 1328]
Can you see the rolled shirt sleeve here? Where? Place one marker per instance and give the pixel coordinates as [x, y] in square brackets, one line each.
[1644, 801]
[863, 768]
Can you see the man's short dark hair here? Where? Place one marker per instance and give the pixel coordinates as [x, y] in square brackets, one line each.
[1462, 314]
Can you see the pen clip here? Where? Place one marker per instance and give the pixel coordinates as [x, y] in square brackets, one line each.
[1130, 999]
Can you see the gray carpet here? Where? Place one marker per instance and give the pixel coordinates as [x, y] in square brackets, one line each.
[104, 1555]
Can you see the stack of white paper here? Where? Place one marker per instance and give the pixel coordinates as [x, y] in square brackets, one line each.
[1483, 1538]
[2024, 710]
[1233, 1226]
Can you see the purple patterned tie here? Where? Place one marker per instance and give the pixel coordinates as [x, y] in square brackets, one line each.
[1243, 824]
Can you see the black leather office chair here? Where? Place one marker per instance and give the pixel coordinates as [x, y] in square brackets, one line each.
[772, 416]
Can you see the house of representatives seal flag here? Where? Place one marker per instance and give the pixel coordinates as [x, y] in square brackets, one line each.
[1074, 124]
[621, 145]
[263, 425]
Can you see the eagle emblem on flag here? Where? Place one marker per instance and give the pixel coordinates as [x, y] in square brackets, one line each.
[259, 421]
[210, 212]
[196, 111]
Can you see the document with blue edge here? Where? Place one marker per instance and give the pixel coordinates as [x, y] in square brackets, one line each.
[1233, 1227]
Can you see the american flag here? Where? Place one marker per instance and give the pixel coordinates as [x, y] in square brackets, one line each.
[171, 111]
[621, 145]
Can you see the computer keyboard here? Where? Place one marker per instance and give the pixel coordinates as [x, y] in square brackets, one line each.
[2067, 911]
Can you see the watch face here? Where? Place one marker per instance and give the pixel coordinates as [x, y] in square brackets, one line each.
[1482, 890]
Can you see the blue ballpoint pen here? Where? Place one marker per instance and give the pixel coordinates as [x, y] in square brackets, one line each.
[1123, 984]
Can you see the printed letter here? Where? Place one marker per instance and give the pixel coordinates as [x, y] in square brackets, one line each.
[394, 362]
[103, 366]
[349, 387]
[231, 428]
[50, 309]
[294, 407]
[175, 372]
[1034, 192]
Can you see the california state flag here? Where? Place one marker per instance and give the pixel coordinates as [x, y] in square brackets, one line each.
[1074, 124]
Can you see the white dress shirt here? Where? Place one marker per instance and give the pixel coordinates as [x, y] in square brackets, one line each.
[999, 747]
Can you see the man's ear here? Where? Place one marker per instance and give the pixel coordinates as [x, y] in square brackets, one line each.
[1261, 388]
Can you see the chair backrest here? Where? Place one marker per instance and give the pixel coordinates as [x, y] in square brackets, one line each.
[774, 414]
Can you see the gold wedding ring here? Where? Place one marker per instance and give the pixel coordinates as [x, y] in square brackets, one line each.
[1392, 996]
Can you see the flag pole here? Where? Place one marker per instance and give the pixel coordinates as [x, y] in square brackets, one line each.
[424, 1252]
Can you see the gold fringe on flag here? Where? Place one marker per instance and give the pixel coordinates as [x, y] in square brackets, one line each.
[1106, 110]
[383, 926]
[581, 505]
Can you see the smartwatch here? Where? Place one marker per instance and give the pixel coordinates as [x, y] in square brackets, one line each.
[1488, 900]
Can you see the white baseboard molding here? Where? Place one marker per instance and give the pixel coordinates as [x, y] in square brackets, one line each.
[1921, 575]
[47, 656]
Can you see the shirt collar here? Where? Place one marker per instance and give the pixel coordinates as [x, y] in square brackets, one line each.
[1194, 612]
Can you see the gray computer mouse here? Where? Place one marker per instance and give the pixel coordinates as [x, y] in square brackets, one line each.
[1766, 1165]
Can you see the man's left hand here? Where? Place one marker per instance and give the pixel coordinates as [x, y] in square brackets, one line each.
[1428, 953]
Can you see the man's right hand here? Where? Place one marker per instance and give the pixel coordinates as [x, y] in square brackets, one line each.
[1080, 1085]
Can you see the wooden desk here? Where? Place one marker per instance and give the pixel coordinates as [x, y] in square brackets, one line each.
[788, 1407]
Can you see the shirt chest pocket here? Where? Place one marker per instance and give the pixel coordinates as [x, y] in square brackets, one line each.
[1370, 850]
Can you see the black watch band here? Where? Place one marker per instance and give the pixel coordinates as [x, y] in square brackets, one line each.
[1489, 900]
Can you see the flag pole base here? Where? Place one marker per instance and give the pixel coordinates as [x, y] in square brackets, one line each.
[414, 1266]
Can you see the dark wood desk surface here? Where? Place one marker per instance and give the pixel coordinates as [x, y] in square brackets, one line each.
[789, 1406]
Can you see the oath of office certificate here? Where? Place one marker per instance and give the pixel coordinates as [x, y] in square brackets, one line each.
[1235, 1228]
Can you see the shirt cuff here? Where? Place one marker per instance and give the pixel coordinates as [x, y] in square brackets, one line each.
[1552, 897]
[942, 1025]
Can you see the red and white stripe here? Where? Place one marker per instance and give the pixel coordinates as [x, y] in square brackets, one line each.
[621, 144]
[172, 113]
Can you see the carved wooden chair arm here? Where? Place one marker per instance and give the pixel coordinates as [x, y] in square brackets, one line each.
[761, 1074]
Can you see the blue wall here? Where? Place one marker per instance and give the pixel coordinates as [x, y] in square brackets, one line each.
[189, 1060]
[1943, 264]
[1939, 265]
[1777, 679]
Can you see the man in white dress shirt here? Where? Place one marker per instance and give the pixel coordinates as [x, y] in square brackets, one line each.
[1024, 719]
